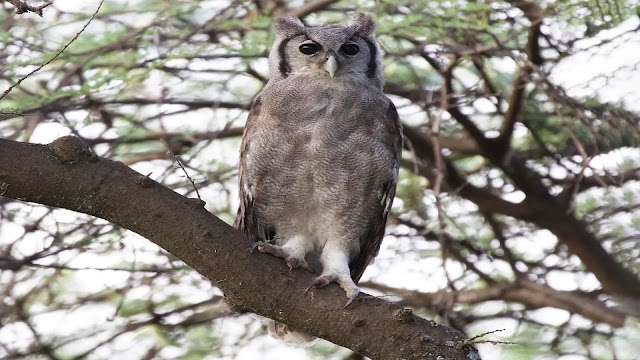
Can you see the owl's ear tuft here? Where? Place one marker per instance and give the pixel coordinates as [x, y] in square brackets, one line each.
[287, 26]
[364, 24]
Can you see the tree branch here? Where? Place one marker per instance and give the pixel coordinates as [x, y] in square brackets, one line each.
[516, 105]
[23, 7]
[540, 208]
[457, 184]
[68, 175]
[523, 291]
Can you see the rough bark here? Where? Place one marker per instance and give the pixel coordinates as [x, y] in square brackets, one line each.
[68, 175]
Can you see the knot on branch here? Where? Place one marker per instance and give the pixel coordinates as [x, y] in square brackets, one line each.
[144, 181]
[404, 315]
[198, 202]
[71, 149]
[358, 323]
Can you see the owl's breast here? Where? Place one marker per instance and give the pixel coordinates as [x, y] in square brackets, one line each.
[319, 154]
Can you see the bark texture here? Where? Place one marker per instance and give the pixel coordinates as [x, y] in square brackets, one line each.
[68, 175]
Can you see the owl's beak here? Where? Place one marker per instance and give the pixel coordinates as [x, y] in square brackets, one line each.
[331, 65]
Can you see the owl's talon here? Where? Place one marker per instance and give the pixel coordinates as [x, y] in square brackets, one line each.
[311, 284]
[344, 280]
[254, 246]
[353, 296]
[292, 263]
[292, 258]
[265, 247]
[317, 282]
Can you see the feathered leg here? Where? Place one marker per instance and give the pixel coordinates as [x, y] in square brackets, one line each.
[293, 251]
[335, 268]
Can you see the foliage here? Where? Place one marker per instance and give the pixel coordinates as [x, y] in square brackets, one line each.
[187, 71]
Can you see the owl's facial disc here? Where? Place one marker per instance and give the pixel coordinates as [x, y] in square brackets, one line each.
[331, 65]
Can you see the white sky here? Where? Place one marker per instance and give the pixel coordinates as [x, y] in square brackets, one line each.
[612, 71]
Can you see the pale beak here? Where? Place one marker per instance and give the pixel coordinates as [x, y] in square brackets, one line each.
[331, 65]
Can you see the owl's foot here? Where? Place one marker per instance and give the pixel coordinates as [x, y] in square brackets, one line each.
[345, 282]
[293, 260]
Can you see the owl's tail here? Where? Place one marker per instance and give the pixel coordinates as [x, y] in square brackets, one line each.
[289, 335]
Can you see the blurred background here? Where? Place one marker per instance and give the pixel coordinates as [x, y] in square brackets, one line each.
[517, 211]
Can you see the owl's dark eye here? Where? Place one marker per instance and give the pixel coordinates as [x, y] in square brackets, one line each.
[309, 49]
[350, 49]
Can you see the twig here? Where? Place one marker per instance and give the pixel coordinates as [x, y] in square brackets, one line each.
[474, 340]
[484, 334]
[6, 92]
[182, 167]
[23, 7]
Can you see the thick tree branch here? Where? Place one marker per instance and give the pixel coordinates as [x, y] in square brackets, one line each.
[66, 174]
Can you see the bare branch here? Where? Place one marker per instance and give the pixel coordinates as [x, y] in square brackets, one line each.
[523, 291]
[23, 7]
[177, 160]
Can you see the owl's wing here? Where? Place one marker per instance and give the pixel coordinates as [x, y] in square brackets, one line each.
[246, 219]
[370, 242]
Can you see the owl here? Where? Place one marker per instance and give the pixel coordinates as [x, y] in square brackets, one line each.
[320, 152]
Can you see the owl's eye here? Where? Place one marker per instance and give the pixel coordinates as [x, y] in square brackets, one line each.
[350, 49]
[309, 49]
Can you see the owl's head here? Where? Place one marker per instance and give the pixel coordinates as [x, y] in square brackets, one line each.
[330, 52]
